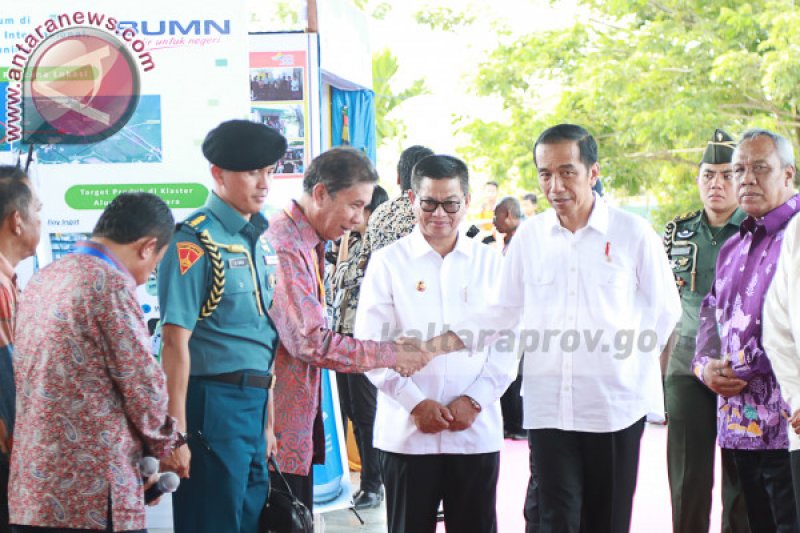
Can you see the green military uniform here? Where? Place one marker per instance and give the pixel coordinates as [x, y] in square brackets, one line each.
[217, 280]
[692, 247]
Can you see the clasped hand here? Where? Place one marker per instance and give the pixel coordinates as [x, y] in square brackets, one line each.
[718, 376]
[431, 416]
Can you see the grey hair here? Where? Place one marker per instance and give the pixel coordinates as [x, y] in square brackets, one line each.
[782, 144]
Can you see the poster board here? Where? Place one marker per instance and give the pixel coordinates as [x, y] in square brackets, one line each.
[191, 64]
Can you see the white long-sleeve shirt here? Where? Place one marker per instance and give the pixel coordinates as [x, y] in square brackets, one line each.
[410, 290]
[596, 307]
[782, 322]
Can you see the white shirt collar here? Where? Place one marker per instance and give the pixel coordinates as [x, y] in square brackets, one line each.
[598, 218]
[419, 246]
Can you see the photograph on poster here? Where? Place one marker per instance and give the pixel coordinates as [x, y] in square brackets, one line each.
[138, 142]
[293, 161]
[286, 118]
[61, 243]
[276, 84]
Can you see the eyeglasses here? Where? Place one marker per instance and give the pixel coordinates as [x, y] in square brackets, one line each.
[449, 206]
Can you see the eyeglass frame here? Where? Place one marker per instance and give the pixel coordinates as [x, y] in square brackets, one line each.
[437, 204]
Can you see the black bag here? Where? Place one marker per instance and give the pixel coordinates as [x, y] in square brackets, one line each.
[284, 513]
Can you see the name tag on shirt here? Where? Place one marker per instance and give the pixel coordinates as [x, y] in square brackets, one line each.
[681, 250]
[237, 262]
[270, 259]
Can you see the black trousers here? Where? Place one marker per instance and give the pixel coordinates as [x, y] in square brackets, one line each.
[691, 445]
[4, 471]
[359, 401]
[511, 405]
[766, 478]
[466, 485]
[532, 505]
[586, 480]
[794, 458]
[301, 486]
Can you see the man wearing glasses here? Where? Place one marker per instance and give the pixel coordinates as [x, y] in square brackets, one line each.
[593, 292]
[439, 431]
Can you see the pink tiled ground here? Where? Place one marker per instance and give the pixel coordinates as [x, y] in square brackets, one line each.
[651, 511]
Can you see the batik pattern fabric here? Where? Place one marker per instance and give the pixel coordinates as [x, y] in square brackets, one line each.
[307, 342]
[92, 400]
[731, 329]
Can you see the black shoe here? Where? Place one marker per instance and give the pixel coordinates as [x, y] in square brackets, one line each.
[518, 436]
[366, 500]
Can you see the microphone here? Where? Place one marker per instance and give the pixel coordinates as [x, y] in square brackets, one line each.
[168, 482]
[473, 231]
[148, 466]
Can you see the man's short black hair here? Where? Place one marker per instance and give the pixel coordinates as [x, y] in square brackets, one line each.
[494, 183]
[512, 205]
[133, 215]
[379, 195]
[408, 159]
[15, 191]
[530, 197]
[438, 167]
[338, 169]
[570, 133]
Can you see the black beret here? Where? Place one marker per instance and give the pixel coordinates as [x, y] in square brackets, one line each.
[598, 187]
[241, 145]
[719, 149]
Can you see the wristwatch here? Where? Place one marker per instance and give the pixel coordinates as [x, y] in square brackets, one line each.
[474, 402]
[183, 438]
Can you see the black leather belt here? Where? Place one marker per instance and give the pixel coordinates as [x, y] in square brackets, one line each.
[244, 379]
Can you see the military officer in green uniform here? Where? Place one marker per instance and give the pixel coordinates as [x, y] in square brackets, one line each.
[215, 286]
[692, 242]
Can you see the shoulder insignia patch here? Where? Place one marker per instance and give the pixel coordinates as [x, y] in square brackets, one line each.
[188, 254]
[687, 215]
[196, 221]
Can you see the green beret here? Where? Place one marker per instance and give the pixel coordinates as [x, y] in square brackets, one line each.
[719, 149]
[241, 145]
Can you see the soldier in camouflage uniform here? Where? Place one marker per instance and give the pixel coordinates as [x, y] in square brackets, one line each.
[692, 242]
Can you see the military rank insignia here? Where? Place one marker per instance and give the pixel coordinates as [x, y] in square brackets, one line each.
[189, 253]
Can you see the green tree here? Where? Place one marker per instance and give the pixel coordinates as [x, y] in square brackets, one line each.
[651, 80]
[388, 96]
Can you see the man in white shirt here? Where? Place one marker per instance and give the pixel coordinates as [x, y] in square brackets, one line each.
[440, 431]
[781, 337]
[595, 294]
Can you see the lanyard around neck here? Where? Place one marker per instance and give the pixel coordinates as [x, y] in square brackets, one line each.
[85, 248]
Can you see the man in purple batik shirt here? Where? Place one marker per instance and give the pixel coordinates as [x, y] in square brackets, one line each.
[730, 358]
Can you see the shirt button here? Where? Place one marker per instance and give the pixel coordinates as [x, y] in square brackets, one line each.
[572, 269]
[572, 293]
[713, 243]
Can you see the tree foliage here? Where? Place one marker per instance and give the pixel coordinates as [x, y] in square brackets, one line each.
[388, 96]
[444, 18]
[651, 80]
